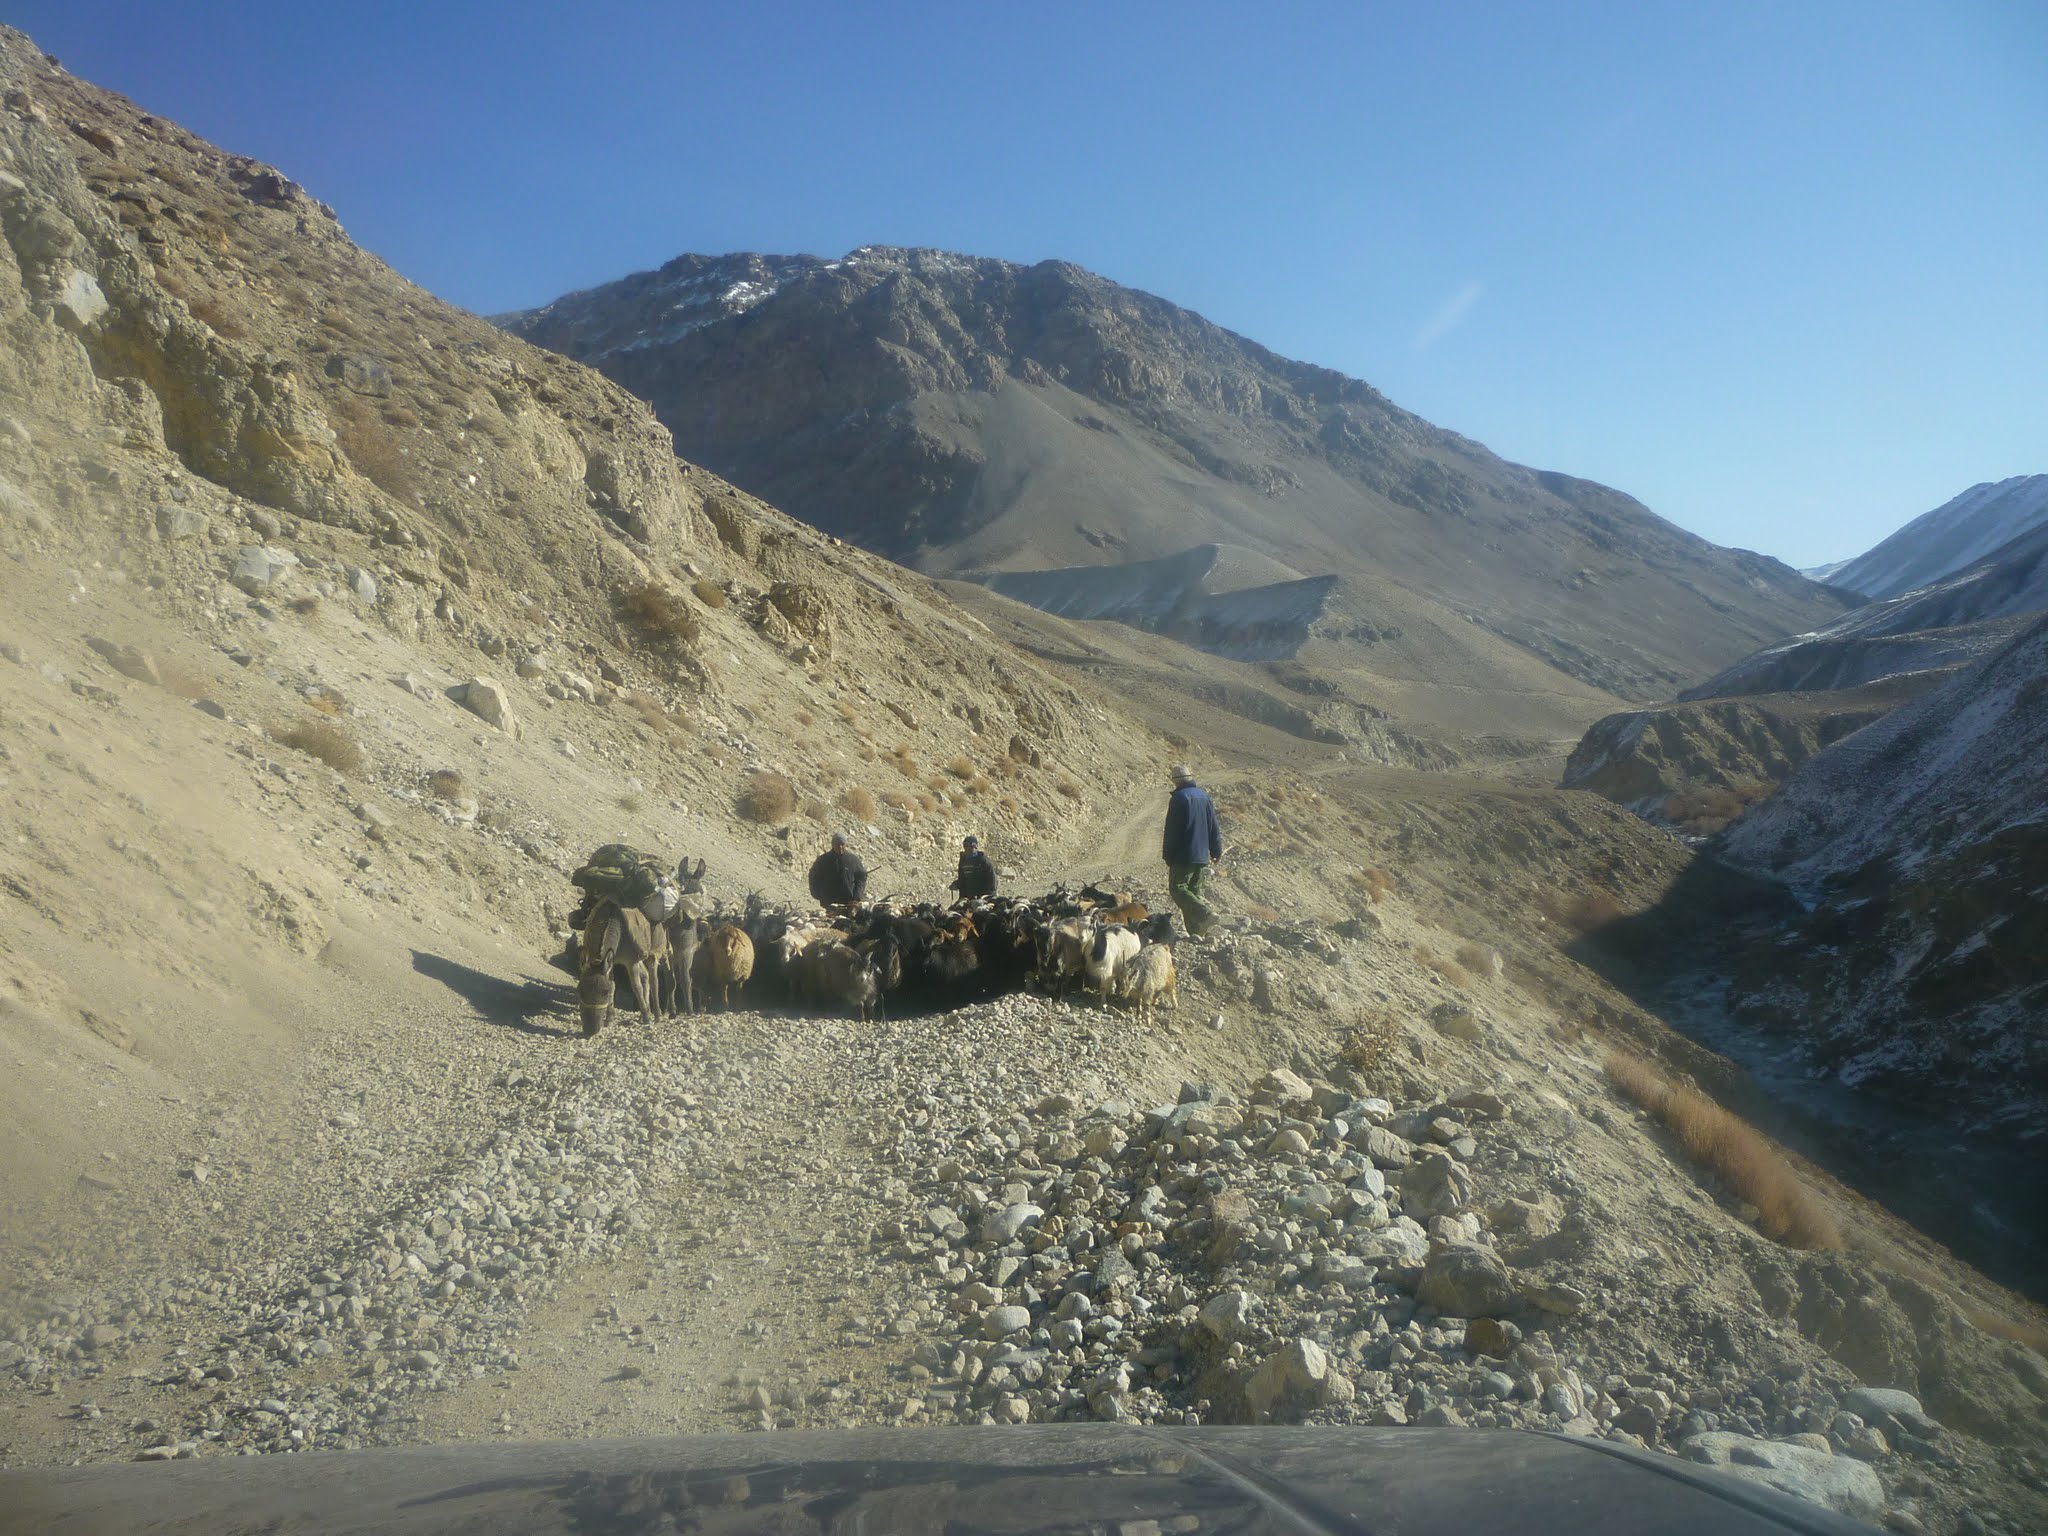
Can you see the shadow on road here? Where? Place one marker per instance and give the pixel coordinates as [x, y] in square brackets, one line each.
[528, 1004]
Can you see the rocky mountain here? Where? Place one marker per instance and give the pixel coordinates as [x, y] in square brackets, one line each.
[337, 626]
[1919, 845]
[1699, 762]
[1955, 535]
[1962, 616]
[1025, 424]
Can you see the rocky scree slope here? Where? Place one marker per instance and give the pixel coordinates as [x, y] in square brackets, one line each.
[1954, 536]
[1921, 850]
[968, 415]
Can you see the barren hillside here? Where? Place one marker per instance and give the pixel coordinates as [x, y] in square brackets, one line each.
[337, 626]
[971, 416]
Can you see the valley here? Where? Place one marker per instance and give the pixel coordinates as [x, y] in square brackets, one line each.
[340, 625]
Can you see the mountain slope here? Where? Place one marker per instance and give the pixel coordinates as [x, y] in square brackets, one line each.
[1955, 535]
[969, 415]
[1963, 616]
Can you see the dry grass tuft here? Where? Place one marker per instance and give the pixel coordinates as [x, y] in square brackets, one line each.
[305, 607]
[632, 804]
[709, 592]
[928, 803]
[1450, 970]
[1476, 958]
[858, 802]
[1786, 1209]
[846, 711]
[960, 765]
[1998, 1326]
[901, 760]
[1374, 883]
[769, 798]
[1069, 788]
[658, 613]
[322, 738]
[445, 784]
[816, 810]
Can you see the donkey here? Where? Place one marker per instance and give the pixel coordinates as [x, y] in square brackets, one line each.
[619, 936]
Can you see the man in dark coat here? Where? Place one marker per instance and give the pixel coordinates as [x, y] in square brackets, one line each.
[1192, 847]
[977, 875]
[838, 878]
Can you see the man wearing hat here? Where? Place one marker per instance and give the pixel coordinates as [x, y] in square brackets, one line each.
[977, 875]
[1193, 845]
[838, 878]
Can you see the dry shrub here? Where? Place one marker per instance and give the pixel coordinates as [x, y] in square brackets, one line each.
[901, 760]
[768, 798]
[846, 711]
[1069, 788]
[305, 607]
[321, 738]
[1008, 803]
[370, 447]
[1586, 913]
[395, 415]
[979, 785]
[1450, 970]
[805, 717]
[938, 784]
[859, 803]
[927, 803]
[632, 804]
[1786, 1209]
[1374, 883]
[657, 613]
[218, 316]
[709, 592]
[960, 765]
[325, 703]
[1476, 958]
[816, 809]
[1368, 1043]
[445, 783]
[1703, 812]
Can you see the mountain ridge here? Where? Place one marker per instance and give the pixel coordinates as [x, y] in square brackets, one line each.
[974, 417]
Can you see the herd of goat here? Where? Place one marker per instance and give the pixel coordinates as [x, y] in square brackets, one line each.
[857, 959]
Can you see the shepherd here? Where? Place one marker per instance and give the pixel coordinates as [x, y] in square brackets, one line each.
[838, 877]
[977, 875]
[1192, 848]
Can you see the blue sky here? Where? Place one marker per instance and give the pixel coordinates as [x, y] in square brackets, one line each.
[1781, 271]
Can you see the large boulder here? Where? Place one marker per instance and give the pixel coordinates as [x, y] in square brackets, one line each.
[1465, 1280]
[487, 699]
[1293, 1380]
[1839, 1482]
[1435, 1184]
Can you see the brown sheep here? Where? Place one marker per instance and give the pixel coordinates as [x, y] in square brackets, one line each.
[725, 960]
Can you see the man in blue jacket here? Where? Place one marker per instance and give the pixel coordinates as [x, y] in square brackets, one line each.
[1193, 845]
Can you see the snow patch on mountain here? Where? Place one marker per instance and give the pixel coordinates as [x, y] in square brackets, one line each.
[1954, 535]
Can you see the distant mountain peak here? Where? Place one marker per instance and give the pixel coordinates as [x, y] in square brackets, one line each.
[1954, 536]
